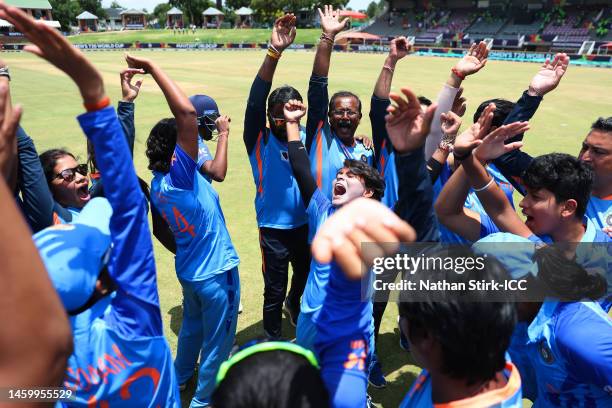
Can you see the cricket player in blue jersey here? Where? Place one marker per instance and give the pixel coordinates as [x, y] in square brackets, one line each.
[120, 357]
[355, 179]
[206, 262]
[331, 123]
[563, 349]
[281, 215]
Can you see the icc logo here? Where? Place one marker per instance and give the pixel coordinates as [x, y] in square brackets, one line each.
[364, 158]
[609, 220]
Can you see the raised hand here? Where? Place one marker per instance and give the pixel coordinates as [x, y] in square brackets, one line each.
[474, 60]
[450, 123]
[361, 220]
[549, 75]
[283, 32]
[493, 145]
[398, 48]
[472, 137]
[138, 63]
[459, 104]
[223, 124]
[49, 44]
[294, 110]
[330, 21]
[407, 126]
[9, 120]
[129, 91]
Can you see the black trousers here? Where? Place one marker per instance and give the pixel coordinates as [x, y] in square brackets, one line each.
[278, 249]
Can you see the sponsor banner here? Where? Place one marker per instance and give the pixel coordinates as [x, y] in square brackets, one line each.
[105, 46]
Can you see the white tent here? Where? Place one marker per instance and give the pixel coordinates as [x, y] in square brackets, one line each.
[244, 11]
[174, 12]
[86, 15]
[211, 11]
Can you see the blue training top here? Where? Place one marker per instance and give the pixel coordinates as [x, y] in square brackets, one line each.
[121, 357]
[190, 206]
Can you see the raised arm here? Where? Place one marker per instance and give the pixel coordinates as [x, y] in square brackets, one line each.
[217, 167]
[9, 166]
[548, 77]
[27, 360]
[300, 163]
[472, 62]
[398, 49]
[408, 127]
[283, 34]
[180, 106]
[318, 97]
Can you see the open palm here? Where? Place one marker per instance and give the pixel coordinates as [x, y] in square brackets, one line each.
[494, 146]
[283, 32]
[550, 74]
[474, 60]
[330, 20]
[406, 125]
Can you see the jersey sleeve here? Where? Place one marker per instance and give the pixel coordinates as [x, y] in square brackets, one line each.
[182, 170]
[378, 111]
[135, 309]
[487, 226]
[203, 153]
[585, 341]
[317, 208]
[255, 114]
[318, 99]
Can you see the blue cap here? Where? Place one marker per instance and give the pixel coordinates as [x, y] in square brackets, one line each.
[204, 105]
[514, 252]
[75, 253]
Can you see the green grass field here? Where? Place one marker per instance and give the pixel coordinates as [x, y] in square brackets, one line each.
[304, 36]
[51, 102]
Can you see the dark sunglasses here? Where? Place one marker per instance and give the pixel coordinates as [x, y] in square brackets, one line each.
[68, 174]
[277, 121]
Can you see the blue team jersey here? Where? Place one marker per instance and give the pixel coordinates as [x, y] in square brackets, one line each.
[569, 346]
[319, 210]
[278, 201]
[599, 211]
[203, 156]
[386, 168]
[121, 357]
[346, 311]
[473, 203]
[509, 396]
[190, 206]
[57, 219]
[327, 156]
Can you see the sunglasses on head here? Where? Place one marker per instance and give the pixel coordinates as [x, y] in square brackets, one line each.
[278, 122]
[69, 174]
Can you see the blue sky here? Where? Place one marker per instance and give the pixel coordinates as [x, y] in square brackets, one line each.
[150, 4]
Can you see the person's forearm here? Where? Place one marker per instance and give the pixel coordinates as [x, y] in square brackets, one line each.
[453, 195]
[300, 165]
[267, 69]
[446, 97]
[293, 131]
[9, 168]
[35, 346]
[323, 57]
[493, 198]
[218, 168]
[385, 78]
[435, 164]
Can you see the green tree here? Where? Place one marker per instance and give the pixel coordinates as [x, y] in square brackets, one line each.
[192, 8]
[372, 10]
[236, 4]
[93, 6]
[65, 11]
[160, 12]
[116, 5]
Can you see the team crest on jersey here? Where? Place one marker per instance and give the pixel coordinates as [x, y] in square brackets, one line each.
[546, 352]
[609, 220]
[284, 155]
[364, 158]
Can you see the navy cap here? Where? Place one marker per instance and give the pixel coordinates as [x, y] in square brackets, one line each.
[74, 254]
[204, 105]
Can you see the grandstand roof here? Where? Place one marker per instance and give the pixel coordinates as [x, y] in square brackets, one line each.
[211, 11]
[132, 11]
[30, 4]
[113, 13]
